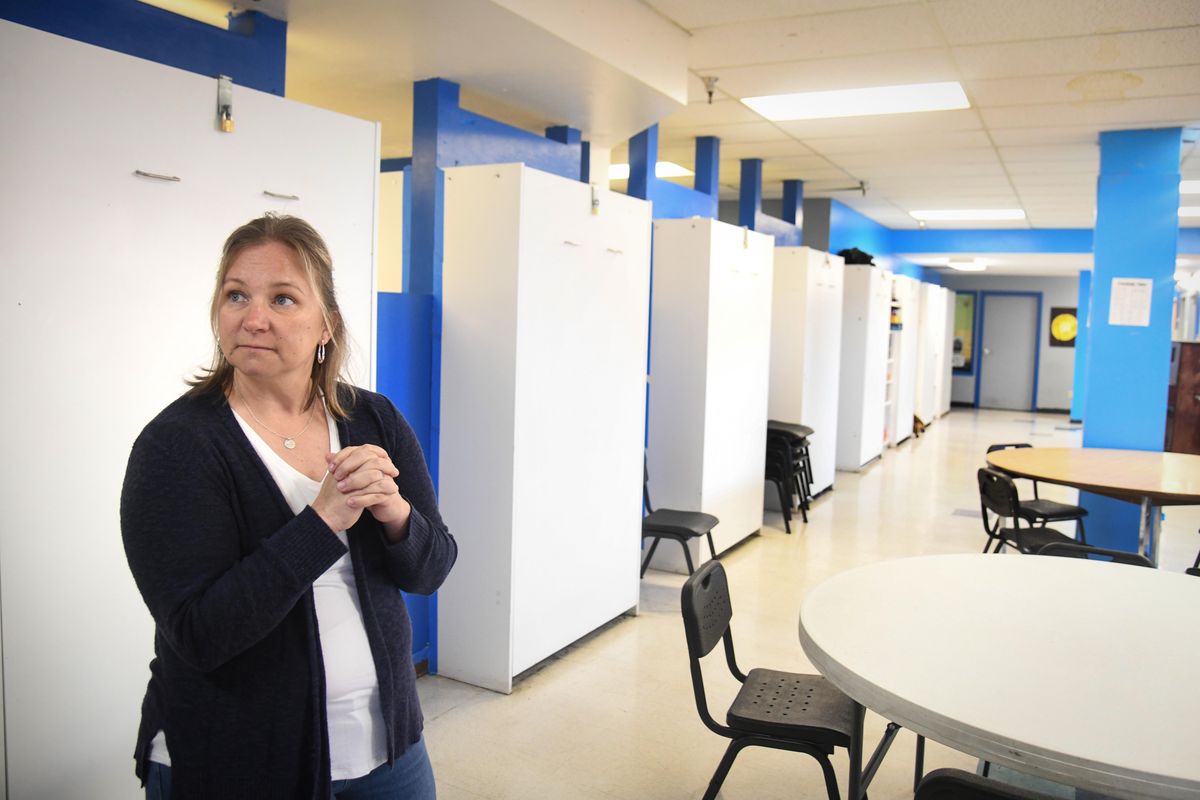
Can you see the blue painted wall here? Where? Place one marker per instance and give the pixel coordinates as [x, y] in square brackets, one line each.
[670, 200]
[253, 51]
[750, 213]
[404, 329]
[1079, 390]
[1137, 234]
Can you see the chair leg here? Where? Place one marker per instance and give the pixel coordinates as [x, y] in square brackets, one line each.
[687, 556]
[1082, 532]
[831, 784]
[919, 768]
[785, 503]
[649, 555]
[711, 548]
[718, 777]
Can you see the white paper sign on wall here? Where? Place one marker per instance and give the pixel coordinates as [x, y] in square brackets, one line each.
[1130, 302]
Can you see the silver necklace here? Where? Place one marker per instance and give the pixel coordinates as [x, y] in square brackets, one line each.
[288, 441]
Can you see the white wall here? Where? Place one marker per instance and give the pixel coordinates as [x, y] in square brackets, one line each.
[1056, 365]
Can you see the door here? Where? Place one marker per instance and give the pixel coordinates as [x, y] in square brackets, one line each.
[1009, 349]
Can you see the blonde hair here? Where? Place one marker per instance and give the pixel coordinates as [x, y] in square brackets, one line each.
[317, 264]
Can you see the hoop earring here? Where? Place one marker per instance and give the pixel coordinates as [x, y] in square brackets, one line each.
[321, 353]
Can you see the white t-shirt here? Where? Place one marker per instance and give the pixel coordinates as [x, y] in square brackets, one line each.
[357, 740]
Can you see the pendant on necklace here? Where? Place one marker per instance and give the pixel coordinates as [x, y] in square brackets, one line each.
[289, 443]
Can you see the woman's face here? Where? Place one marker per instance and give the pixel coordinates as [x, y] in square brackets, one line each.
[269, 316]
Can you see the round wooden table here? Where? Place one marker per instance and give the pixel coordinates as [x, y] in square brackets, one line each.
[1079, 671]
[1148, 478]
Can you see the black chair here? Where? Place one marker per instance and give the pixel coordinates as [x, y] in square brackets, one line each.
[789, 463]
[998, 495]
[669, 523]
[784, 710]
[957, 784]
[1076, 550]
[1043, 512]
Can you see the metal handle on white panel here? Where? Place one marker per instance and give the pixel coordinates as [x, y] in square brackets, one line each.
[279, 196]
[156, 176]
[570, 243]
[615, 250]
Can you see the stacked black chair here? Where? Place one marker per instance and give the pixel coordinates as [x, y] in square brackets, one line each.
[1076, 550]
[784, 710]
[669, 523]
[789, 467]
[998, 495]
[1044, 512]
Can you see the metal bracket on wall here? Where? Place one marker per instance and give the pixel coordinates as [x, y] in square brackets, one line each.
[225, 104]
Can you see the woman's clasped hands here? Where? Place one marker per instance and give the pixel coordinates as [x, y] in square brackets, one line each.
[362, 478]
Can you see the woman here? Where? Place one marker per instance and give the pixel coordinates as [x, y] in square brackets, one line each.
[269, 516]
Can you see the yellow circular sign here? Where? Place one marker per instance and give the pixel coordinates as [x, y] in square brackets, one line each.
[1063, 327]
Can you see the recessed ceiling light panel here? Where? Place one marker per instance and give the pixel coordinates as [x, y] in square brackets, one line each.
[1189, 187]
[868, 102]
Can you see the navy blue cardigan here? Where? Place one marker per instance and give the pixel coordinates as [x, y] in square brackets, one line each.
[226, 569]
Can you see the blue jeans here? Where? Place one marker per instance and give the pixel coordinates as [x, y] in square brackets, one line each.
[410, 777]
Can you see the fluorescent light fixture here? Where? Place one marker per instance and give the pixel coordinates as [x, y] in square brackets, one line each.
[662, 169]
[1189, 187]
[967, 264]
[968, 214]
[1189, 211]
[861, 102]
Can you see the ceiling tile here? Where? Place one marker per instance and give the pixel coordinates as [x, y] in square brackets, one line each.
[1150, 112]
[693, 14]
[932, 140]
[1122, 51]
[839, 72]
[884, 124]
[1088, 154]
[720, 112]
[876, 30]
[1071, 88]
[974, 21]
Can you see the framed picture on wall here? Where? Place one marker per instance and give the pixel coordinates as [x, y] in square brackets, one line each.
[962, 357]
[1063, 326]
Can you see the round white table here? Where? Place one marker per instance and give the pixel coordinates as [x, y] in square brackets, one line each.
[1083, 672]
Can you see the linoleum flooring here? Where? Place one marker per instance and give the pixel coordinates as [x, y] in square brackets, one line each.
[613, 716]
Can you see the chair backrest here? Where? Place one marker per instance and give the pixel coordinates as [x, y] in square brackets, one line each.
[706, 609]
[993, 448]
[997, 493]
[957, 784]
[1071, 550]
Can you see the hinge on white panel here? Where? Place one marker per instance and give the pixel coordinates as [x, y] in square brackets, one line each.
[225, 103]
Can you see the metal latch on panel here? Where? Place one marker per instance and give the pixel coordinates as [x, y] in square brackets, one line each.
[595, 200]
[225, 103]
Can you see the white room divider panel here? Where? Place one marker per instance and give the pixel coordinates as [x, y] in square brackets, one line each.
[806, 350]
[946, 368]
[107, 278]
[542, 415]
[710, 371]
[907, 292]
[932, 362]
[865, 323]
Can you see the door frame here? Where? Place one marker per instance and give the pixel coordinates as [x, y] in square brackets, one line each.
[1037, 342]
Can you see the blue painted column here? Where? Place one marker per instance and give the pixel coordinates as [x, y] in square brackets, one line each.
[750, 197]
[708, 160]
[1137, 234]
[1079, 386]
[793, 202]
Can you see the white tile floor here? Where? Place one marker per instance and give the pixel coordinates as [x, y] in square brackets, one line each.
[613, 716]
